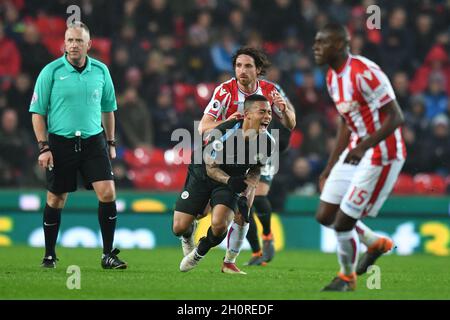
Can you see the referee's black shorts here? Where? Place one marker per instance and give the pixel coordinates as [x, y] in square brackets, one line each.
[89, 157]
[197, 192]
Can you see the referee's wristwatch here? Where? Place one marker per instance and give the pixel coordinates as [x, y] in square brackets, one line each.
[111, 143]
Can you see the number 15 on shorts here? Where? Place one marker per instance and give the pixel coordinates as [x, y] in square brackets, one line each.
[358, 196]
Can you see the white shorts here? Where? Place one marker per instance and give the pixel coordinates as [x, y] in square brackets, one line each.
[362, 189]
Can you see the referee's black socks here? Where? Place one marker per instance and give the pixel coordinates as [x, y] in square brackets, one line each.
[51, 221]
[107, 217]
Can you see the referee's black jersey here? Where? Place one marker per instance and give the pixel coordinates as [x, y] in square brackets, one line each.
[235, 154]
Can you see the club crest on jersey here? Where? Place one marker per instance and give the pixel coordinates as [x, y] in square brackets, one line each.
[217, 145]
[222, 92]
[347, 106]
[368, 75]
[185, 195]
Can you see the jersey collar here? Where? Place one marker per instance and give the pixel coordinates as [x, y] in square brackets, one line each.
[341, 70]
[70, 68]
[246, 94]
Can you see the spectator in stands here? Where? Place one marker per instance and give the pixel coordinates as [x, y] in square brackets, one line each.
[166, 45]
[33, 47]
[359, 45]
[239, 25]
[196, 60]
[191, 113]
[288, 55]
[13, 27]
[15, 149]
[415, 160]
[165, 119]
[436, 61]
[314, 147]
[134, 120]
[424, 37]
[311, 101]
[120, 63]
[128, 37]
[438, 146]
[19, 98]
[300, 182]
[304, 66]
[155, 76]
[278, 18]
[396, 44]
[133, 78]
[222, 52]
[339, 11]
[416, 117]
[155, 17]
[400, 83]
[10, 59]
[435, 96]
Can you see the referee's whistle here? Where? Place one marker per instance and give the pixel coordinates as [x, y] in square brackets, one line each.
[78, 141]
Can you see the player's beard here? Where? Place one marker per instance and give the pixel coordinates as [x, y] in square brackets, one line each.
[244, 81]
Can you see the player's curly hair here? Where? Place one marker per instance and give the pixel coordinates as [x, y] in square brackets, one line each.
[260, 58]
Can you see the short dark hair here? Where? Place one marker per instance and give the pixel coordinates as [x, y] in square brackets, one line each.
[253, 98]
[79, 24]
[338, 29]
[261, 60]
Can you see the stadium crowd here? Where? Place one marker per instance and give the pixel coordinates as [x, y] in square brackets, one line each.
[166, 56]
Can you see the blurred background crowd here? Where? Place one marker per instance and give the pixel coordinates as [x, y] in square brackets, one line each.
[166, 57]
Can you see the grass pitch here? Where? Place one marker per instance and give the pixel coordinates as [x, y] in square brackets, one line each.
[154, 274]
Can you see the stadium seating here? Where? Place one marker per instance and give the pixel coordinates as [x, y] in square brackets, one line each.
[296, 139]
[159, 178]
[50, 26]
[144, 158]
[157, 169]
[429, 184]
[181, 91]
[404, 185]
[102, 46]
[203, 93]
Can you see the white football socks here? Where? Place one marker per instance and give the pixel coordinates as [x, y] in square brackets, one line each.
[235, 239]
[365, 234]
[347, 251]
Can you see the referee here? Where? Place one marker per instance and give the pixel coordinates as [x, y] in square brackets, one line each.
[73, 97]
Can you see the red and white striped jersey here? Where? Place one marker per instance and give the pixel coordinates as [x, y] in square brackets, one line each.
[228, 98]
[359, 89]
